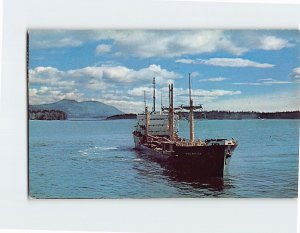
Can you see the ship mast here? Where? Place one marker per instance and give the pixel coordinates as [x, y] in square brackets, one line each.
[161, 101]
[171, 113]
[153, 94]
[145, 105]
[146, 117]
[191, 112]
[191, 109]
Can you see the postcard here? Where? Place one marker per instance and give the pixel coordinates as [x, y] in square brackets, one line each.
[163, 113]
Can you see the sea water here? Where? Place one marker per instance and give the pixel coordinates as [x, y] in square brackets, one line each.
[96, 159]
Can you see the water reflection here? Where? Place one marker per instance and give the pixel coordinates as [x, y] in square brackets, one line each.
[151, 167]
[197, 182]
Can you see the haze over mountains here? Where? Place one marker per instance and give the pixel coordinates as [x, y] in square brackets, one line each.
[85, 109]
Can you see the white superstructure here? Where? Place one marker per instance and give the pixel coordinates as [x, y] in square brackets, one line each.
[158, 124]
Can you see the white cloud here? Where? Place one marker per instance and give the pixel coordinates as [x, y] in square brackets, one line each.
[102, 82]
[265, 79]
[126, 106]
[139, 91]
[49, 95]
[161, 43]
[49, 76]
[295, 75]
[60, 43]
[216, 79]
[273, 43]
[249, 84]
[141, 43]
[263, 82]
[277, 82]
[186, 61]
[200, 95]
[205, 93]
[116, 85]
[46, 39]
[121, 74]
[115, 74]
[268, 102]
[194, 74]
[103, 48]
[172, 43]
[214, 93]
[226, 62]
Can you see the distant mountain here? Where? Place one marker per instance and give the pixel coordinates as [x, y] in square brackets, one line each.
[85, 109]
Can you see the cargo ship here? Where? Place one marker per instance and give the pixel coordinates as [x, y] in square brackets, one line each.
[157, 134]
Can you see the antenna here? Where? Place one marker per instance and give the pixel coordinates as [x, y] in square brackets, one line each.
[153, 94]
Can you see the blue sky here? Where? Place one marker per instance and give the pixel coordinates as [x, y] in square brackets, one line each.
[249, 70]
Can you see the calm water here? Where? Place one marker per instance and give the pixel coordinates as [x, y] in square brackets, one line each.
[96, 159]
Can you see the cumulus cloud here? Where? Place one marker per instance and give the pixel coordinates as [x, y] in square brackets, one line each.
[273, 43]
[115, 74]
[295, 75]
[161, 43]
[155, 43]
[139, 91]
[121, 74]
[103, 48]
[49, 76]
[226, 62]
[103, 82]
[49, 95]
[119, 86]
[141, 43]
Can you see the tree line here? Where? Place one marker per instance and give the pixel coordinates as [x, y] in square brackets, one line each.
[46, 114]
[242, 115]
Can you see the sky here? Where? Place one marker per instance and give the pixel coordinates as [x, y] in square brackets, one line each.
[235, 70]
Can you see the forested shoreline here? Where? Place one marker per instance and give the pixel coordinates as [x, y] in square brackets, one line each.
[219, 115]
[41, 114]
[224, 115]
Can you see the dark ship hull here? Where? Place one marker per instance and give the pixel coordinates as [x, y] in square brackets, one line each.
[190, 160]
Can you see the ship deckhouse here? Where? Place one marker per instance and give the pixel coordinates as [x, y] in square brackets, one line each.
[158, 124]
